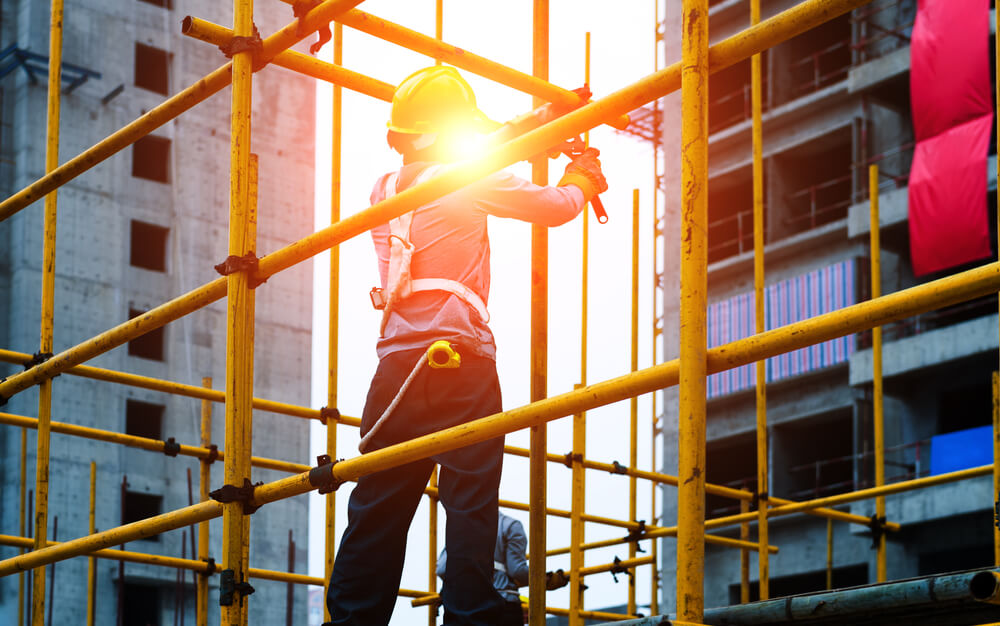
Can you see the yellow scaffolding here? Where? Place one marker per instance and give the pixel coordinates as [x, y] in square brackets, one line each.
[689, 372]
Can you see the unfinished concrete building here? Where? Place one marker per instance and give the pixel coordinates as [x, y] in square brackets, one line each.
[835, 100]
[141, 229]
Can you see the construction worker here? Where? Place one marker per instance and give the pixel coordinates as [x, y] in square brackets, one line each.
[510, 569]
[435, 272]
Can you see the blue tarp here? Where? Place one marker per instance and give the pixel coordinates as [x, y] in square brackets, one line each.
[961, 449]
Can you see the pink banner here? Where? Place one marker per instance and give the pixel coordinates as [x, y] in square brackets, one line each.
[952, 119]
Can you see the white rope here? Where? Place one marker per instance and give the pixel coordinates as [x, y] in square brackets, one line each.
[366, 440]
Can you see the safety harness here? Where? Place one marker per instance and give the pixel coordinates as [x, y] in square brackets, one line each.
[400, 283]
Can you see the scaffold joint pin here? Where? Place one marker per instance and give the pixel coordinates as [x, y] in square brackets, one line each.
[171, 447]
[248, 263]
[232, 493]
[228, 587]
[321, 476]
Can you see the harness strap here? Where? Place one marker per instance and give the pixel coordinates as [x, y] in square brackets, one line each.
[400, 283]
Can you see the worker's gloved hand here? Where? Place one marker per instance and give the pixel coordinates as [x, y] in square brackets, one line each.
[556, 579]
[584, 171]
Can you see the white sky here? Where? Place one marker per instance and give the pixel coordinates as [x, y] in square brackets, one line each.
[622, 52]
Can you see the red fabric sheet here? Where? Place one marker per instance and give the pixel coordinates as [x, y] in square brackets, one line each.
[952, 119]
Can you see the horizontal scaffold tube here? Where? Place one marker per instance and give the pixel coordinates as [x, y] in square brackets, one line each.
[718, 490]
[768, 33]
[145, 443]
[200, 91]
[180, 389]
[201, 567]
[935, 294]
[206, 31]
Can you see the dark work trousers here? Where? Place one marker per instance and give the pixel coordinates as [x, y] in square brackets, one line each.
[369, 564]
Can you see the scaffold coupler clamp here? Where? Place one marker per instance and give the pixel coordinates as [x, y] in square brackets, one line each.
[637, 535]
[321, 476]
[300, 8]
[228, 587]
[253, 44]
[327, 413]
[758, 497]
[209, 567]
[569, 458]
[618, 468]
[171, 447]
[247, 263]
[877, 526]
[37, 359]
[996, 513]
[213, 454]
[618, 568]
[243, 495]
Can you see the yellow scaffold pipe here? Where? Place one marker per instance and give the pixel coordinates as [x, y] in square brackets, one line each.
[768, 33]
[181, 389]
[207, 86]
[206, 31]
[145, 443]
[935, 294]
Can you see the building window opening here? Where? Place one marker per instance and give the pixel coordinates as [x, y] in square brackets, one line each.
[151, 159]
[730, 462]
[139, 506]
[819, 455]
[148, 247]
[816, 59]
[817, 181]
[151, 66]
[730, 95]
[144, 419]
[730, 216]
[140, 604]
[148, 346]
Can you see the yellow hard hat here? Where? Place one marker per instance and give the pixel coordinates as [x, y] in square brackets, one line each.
[433, 100]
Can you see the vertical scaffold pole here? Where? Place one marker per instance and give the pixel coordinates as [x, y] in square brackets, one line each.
[204, 480]
[877, 370]
[438, 24]
[829, 553]
[744, 556]
[48, 310]
[654, 582]
[539, 344]
[92, 561]
[432, 548]
[334, 328]
[996, 407]
[694, 215]
[633, 458]
[763, 557]
[579, 473]
[996, 464]
[22, 517]
[239, 343]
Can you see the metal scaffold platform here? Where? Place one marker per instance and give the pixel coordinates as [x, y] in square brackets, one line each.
[967, 596]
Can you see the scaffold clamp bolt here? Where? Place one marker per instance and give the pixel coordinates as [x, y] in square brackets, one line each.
[570, 458]
[619, 468]
[877, 526]
[37, 359]
[637, 535]
[213, 454]
[321, 476]
[232, 493]
[248, 263]
[228, 587]
[209, 566]
[618, 568]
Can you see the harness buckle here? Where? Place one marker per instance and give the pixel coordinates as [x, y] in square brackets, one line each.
[377, 294]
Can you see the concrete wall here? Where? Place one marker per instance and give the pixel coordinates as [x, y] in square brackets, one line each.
[96, 286]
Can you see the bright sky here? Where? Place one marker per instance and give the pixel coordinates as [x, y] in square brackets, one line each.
[622, 51]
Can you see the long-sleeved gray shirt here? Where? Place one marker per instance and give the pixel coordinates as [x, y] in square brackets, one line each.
[510, 567]
[451, 242]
